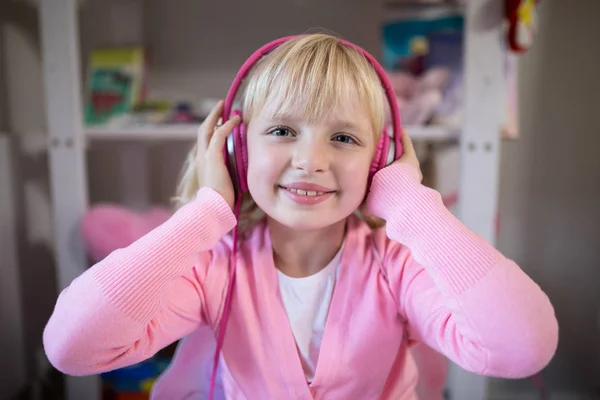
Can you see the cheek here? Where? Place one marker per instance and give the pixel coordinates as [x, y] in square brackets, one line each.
[264, 167]
[355, 172]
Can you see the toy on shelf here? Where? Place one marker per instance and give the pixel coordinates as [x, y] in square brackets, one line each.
[116, 83]
[134, 382]
[183, 113]
[151, 112]
[419, 97]
[522, 23]
[107, 227]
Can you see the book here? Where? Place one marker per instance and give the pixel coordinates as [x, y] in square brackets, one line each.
[116, 83]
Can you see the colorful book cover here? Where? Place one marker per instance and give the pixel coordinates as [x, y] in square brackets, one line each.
[115, 83]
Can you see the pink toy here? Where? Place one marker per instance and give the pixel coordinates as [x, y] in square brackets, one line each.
[403, 84]
[434, 79]
[107, 227]
[418, 97]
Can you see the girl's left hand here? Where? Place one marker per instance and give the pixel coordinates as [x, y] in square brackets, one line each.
[409, 155]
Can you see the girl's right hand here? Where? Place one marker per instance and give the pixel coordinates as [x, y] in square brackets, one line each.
[210, 163]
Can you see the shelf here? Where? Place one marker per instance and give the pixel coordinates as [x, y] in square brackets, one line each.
[143, 132]
[188, 132]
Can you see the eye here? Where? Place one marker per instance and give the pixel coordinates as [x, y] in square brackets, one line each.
[281, 132]
[344, 139]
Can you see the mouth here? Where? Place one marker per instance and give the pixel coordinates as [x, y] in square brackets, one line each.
[310, 193]
[307, 194]
[307, 189]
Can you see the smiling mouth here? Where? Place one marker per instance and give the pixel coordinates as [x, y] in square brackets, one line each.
[308, 193]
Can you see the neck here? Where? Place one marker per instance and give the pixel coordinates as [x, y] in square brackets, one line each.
[299, 254]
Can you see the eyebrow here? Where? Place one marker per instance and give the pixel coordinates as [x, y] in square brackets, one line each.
[342, 124]
[337, 123]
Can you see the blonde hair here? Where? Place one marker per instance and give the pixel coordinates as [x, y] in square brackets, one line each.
[307, 78]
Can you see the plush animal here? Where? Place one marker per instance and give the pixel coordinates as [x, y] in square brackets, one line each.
[419, 97]
[107, 227]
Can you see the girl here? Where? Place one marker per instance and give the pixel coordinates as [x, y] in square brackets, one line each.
[327, 299]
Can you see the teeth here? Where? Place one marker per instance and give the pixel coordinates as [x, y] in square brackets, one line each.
[306, 192]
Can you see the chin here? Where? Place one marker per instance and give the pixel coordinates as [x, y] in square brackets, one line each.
[305, 223]
[305, 217]
[311, 217]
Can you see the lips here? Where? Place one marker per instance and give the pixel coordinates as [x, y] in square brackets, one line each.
[306, 192]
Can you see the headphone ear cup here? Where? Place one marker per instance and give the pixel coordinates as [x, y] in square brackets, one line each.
[241, 156]
[381, 153]
[240, 153]
[236, 158]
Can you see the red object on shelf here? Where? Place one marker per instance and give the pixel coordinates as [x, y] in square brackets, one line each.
[522, 23]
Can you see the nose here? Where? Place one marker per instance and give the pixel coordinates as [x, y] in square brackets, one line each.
[310, 156]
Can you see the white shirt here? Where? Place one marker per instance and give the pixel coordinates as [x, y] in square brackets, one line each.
[306, 302]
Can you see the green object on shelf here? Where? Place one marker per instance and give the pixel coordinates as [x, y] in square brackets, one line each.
[115, 83]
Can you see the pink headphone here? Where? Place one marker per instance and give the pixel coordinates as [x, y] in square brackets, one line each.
[388, 150]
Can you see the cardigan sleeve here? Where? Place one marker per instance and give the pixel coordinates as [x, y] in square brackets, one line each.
[141, 298]
[456, 292]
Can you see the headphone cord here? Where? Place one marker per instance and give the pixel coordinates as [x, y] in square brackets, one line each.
[227, 307]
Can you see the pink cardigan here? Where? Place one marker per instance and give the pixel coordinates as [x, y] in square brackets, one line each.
[425, 277]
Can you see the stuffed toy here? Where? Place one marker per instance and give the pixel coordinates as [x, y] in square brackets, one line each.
[419, 97]
[107, 227]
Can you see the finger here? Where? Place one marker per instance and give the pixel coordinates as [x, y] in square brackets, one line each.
[214, 115]
[206, 129]
[409, 150]
[407, 144]
[220, 136]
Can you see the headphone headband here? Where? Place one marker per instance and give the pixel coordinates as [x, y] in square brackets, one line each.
[262, 51]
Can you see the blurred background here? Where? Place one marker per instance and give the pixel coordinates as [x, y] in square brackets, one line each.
[144, 73]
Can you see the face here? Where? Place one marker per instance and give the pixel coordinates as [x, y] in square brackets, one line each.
[310, 175]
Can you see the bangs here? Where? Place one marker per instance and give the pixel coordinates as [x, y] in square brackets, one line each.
[309, 78]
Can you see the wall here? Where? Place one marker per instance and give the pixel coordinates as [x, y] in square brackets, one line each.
[550, 185]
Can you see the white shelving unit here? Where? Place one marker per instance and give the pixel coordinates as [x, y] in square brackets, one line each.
[67, 140]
